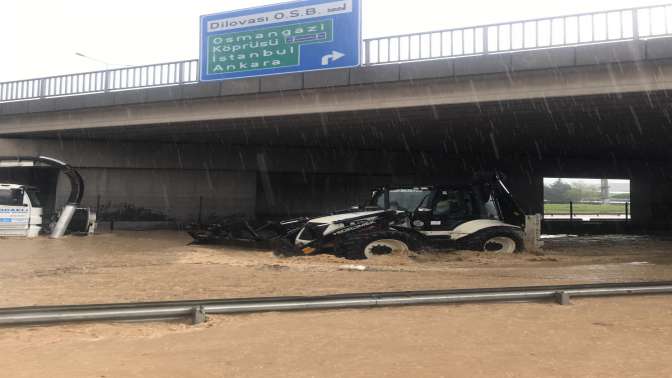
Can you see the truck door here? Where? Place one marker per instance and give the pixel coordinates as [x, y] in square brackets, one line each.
[14, 214]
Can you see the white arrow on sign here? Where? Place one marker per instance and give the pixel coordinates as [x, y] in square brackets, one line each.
[334, 56]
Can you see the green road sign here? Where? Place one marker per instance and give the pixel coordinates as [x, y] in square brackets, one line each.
[268, 48]
[299, 36]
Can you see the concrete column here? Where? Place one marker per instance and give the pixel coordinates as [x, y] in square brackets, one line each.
[528, 191]
[652, 203]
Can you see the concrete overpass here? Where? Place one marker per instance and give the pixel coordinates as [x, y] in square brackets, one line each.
[306, 143]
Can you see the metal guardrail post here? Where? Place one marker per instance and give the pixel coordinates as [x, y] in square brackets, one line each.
[485, 40]
[563, 298]
[43, 88]
[107, 81]
[180, 76]
[627, 211]
[367, 56]
[635, 24]
[199, 315]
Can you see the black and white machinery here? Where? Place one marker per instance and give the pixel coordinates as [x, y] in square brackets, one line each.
[21, 213]
[479, 215]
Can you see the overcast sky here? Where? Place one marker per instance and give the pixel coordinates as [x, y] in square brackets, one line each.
[40, 37]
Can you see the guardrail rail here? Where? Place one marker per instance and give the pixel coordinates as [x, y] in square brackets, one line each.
[198, 309]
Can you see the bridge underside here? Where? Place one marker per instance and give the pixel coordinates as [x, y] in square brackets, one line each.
[629, 126]
[315, 162]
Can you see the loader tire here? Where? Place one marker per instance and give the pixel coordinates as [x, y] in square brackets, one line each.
[362, 247]
[496, 240]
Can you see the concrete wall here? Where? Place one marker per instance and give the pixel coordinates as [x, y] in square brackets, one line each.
[149, 176]
[170, 178]
[175, 194]
[288, 195]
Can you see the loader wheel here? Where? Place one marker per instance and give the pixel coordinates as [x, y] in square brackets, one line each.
[378, 244]
[497, 240]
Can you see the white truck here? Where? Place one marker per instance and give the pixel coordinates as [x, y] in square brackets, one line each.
[20, 211]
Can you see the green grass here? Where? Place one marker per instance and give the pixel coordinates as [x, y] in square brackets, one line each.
[584, 208]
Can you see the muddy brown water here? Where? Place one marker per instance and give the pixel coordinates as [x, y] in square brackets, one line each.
[613, 337]
[150, 266]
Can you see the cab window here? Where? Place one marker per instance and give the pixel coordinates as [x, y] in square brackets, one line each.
[490, 208]
[403, 199]
[11, 197]
[34, 199]
[453, 204]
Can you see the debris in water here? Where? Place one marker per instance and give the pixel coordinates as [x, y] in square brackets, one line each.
[359, 268]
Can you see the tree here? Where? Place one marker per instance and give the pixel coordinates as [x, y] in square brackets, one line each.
[584, 192]
[558, 192]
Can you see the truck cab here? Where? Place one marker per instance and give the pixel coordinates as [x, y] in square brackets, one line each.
[20, 211]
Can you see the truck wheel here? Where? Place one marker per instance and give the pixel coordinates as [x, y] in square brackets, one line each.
[497, 240]
[378, 244]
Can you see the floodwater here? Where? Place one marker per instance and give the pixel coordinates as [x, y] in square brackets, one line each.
[149, 266]
[606, 337]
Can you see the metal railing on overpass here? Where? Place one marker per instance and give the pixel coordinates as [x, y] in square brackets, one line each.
[542, 33]
[153, 75]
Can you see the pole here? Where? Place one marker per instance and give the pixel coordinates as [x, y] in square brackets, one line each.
[571, 211]
[200, 210]
[571, 215]
[627, 211]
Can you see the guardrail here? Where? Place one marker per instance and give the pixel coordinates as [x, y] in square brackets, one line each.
[199, 309]
[550, 32]
[597, 211]
[153, 75]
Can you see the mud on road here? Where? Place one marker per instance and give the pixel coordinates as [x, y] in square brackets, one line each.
[625, 337]
[599, 338]
[150, 266]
